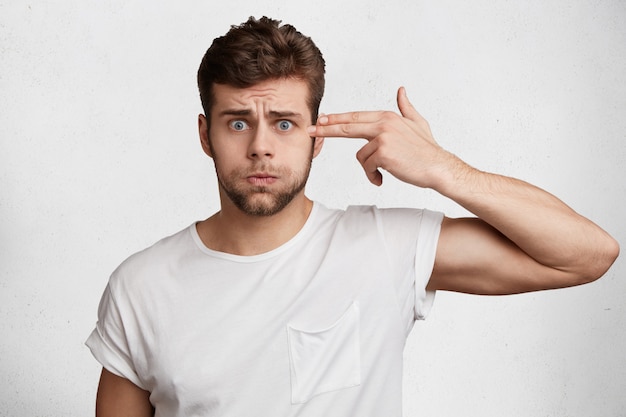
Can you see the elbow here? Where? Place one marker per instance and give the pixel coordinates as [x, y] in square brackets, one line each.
[604, 256]
[610, 254]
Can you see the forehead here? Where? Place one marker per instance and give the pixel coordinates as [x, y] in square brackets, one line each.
[279, 94]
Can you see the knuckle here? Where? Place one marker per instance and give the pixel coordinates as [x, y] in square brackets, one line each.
[388, 116]
[385, 128]
[384, 160]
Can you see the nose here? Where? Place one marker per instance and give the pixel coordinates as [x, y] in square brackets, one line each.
[262, 143]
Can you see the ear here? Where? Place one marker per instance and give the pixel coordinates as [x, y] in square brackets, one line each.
[204, 134]
[317, 146]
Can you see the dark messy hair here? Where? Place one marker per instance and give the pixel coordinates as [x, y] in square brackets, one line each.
[257, 51]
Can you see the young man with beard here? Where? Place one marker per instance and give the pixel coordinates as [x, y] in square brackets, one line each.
[279, 306]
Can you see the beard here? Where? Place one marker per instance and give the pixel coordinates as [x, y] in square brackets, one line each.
[261, 200]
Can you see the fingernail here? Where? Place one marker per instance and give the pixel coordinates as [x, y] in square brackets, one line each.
[323, 120]
[311, 129]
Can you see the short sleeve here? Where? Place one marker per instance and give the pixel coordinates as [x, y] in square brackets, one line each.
[411, 237]
[425, 252]
[108, 341]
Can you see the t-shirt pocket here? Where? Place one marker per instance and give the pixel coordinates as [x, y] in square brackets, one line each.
[325, 360]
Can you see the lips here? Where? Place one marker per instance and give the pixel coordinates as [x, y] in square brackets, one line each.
[261, 179]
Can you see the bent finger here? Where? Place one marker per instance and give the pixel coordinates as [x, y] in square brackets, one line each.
[367, 158]
[372, 171]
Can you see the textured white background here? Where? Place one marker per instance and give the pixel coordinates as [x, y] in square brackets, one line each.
[99, 158]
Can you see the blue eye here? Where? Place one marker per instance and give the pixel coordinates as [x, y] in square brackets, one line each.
[238, 125]
[284, 125]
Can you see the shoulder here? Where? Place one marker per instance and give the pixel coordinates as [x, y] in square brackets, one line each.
[396, 224]
[358, 221]
[366, 214]
[150, 262]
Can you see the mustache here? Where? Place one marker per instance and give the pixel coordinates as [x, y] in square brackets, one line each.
[264, 168]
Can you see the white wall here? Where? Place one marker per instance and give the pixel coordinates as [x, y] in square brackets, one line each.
[99, 158]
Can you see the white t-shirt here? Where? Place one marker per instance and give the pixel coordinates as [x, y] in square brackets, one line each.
[315, 327]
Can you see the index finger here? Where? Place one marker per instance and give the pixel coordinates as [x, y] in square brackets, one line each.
[350, 117]
[359, 124]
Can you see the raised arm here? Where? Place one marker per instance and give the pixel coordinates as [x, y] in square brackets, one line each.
[523, 238]
[118, 397]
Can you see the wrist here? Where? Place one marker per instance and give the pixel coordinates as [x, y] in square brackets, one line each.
[453, 175]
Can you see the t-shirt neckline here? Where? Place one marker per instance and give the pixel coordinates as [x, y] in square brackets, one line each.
[262, 256]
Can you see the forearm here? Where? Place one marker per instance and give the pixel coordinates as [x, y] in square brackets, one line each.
[540, 224]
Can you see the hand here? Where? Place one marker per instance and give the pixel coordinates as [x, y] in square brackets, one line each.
[402, 145]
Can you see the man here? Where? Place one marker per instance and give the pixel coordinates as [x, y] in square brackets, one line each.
[279, 306]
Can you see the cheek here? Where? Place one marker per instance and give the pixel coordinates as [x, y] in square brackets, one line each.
[222, 160]
[225, 147]
[301, 144]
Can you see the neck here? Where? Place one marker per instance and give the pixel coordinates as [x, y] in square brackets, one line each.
[232, 231]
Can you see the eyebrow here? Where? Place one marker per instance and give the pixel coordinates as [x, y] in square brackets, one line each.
[272, 113]
[280, 114]
[236, 112]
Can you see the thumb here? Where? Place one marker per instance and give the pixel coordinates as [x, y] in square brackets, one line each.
[405, 106]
